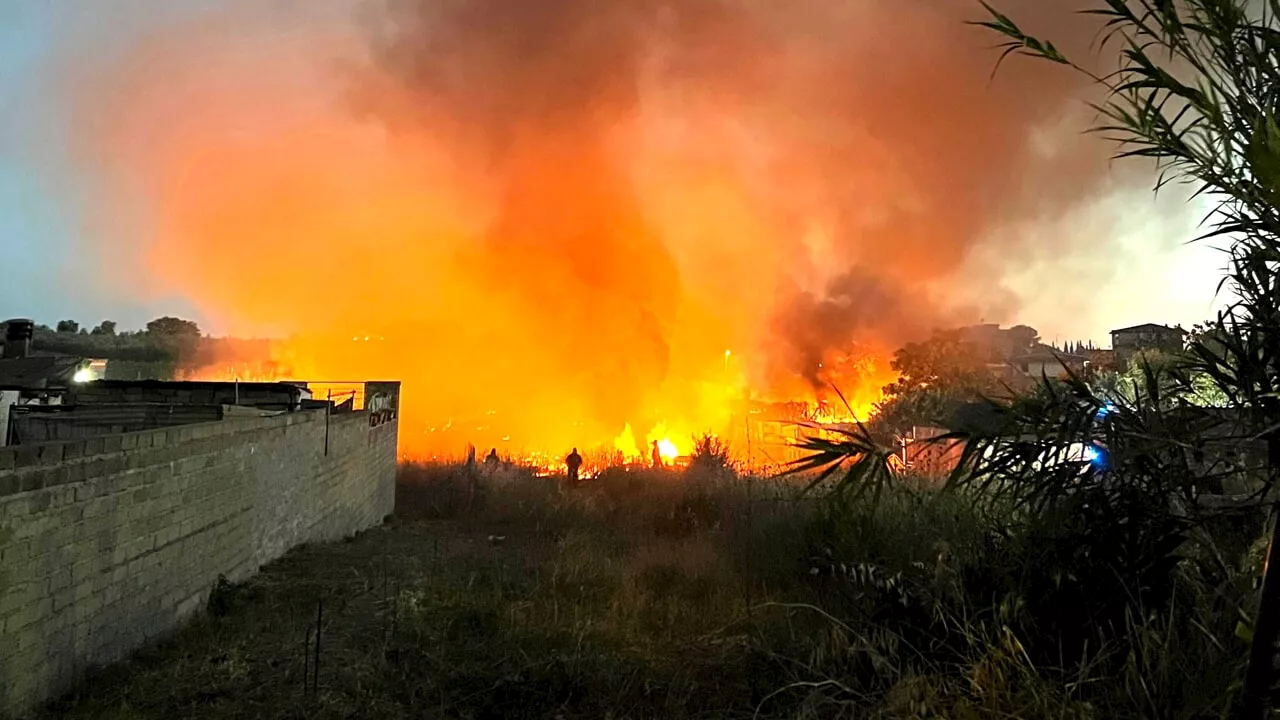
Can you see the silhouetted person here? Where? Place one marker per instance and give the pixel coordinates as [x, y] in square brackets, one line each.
[657, 455]
[573, 462]
[491, 460]
[471, 476]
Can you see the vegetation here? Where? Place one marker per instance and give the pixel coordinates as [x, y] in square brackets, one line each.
[950, 369]
[652, 593]
[1117, 485]
[155, 352]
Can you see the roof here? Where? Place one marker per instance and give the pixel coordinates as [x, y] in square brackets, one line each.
[1148, 327]
[39, 371]
[1047, 354]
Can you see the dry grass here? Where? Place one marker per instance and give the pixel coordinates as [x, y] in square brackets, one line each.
[517, 600]
[638, 595]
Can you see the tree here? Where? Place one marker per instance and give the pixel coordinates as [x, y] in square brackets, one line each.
[173, 327]
[1196, 93]
[68, 326]
[1022, 338]
[936, 376]
[946, 362]
[106, 327]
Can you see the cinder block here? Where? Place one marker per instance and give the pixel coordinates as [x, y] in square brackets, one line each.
[129, 441]
[51, 453]
[111, 464]
[93, 446]
[26, 456]
[95, 467]
[31, 480]
[56, 476]
[77, 472]
[14, 556]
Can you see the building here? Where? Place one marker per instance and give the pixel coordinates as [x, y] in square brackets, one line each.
[1046, 362]
[1127, 342]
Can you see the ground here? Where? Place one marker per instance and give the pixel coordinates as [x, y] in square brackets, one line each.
[525, 602]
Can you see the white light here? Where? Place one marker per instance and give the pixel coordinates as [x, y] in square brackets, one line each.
[83, 375]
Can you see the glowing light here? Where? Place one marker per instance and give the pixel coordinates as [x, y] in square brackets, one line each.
[625, 443]
[1095, 456]
[83, 375]
[668, 449]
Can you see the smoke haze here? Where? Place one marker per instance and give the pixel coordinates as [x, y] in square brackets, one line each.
[556, 219]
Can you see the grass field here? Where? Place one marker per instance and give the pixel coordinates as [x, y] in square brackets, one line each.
[639, 595]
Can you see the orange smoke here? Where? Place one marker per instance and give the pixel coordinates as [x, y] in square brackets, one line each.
[569, 222]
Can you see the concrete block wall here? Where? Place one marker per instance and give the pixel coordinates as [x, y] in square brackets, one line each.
[76, 422]
[109, 542]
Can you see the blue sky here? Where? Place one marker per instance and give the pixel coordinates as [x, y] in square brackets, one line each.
[41, 192]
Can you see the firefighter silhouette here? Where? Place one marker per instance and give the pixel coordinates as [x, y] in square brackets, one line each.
[573, 462]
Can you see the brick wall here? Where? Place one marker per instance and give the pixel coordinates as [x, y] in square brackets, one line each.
[108, 542]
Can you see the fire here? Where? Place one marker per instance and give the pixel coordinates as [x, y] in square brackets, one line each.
[600, 225]
[625, 444]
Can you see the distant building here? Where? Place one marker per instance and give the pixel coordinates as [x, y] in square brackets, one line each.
[1127, 342]
[1046, 362]
[999, 343]
[1100, 359]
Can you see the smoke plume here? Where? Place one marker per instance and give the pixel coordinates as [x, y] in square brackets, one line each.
[557, 218]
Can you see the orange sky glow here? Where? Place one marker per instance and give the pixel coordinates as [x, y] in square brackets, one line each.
[595, 222]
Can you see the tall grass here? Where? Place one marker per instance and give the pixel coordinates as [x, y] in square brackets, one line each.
[683, 594]
[929, 603]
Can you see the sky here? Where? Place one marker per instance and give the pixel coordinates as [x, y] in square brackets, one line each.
[42, 189]
[50, 229]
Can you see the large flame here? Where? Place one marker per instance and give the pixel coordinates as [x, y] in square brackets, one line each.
[572, 223]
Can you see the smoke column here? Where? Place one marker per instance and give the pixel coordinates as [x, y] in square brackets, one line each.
[555, 219]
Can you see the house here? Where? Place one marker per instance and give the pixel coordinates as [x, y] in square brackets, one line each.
[1127, 342]
[1046, 362]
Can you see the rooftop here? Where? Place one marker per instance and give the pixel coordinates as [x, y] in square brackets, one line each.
[39, 370]
[1149, 327]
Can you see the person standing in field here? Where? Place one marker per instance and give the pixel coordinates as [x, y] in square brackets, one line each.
[491, 461]
[573, 462]
[471, 479]
[657, 455]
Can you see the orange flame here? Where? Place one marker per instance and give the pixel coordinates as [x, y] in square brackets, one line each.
[539, 275]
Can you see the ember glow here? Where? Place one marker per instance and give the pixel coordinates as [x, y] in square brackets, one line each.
[574, 222]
